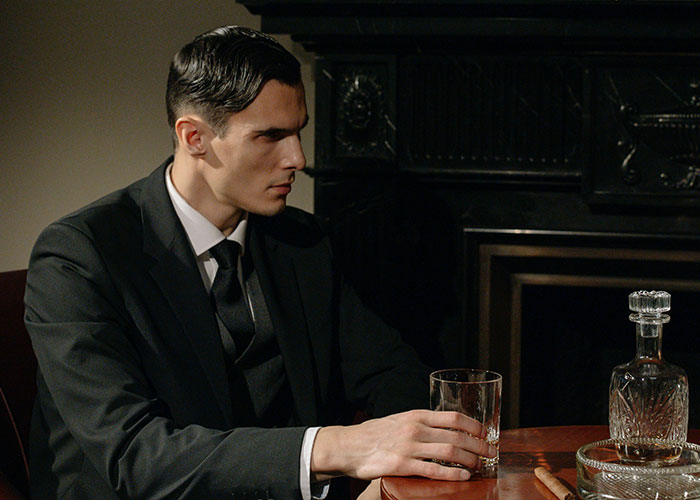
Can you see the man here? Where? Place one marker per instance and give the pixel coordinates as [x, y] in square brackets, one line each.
[158, 378]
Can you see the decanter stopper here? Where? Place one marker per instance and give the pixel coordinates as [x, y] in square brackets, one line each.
[650, 302]
[649, 396]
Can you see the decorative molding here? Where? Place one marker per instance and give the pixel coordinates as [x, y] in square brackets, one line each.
[491, 113]
[672, 134]
[646, 126]
[336, 25]
[358, 113]
[363, 128]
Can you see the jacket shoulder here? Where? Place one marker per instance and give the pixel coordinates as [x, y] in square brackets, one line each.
[109, 223]
[293, 226]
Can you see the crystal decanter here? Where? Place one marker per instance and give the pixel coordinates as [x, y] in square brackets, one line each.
[649, 396]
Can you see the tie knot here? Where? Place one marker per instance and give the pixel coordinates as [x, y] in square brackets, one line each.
[226, 253]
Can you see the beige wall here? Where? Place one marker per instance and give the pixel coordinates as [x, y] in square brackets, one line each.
[81, 102]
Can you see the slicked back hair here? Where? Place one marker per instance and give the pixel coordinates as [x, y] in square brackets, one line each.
[222, 72]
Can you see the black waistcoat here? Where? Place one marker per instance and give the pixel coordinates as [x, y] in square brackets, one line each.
[258, 381]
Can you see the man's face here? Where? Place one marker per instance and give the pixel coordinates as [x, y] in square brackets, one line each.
[255, 161]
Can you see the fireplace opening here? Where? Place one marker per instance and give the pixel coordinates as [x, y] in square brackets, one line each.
[549, 310]
[571, 337]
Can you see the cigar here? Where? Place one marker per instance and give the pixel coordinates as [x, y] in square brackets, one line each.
[554, 485]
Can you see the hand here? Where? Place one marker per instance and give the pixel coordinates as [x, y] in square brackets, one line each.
[402, 445]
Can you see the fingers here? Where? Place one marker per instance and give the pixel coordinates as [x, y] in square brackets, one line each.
[449, 453]
[451, 437]
[444, 425]
[455, 420]
[433, 470]
[464, 441]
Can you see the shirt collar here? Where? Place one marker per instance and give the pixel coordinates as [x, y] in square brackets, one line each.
[202, 234]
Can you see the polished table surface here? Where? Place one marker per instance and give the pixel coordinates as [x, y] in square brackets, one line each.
[521, 451]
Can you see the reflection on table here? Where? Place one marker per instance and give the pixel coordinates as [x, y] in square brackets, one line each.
[521, 451]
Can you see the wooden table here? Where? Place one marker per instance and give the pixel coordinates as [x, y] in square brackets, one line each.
[521, 451]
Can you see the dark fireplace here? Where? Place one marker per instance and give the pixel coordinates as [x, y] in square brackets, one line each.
[553, 316]
[498, 176]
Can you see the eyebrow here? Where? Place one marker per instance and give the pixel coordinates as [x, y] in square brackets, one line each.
[275, 130]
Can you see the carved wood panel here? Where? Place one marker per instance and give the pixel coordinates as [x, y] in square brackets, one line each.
[646, 129]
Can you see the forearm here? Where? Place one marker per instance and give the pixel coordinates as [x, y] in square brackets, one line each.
[151, 456]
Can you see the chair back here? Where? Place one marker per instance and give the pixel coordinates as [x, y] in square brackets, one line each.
[17, 383]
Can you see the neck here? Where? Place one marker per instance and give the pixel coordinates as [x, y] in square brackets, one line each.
[649, 340]
[188, 178]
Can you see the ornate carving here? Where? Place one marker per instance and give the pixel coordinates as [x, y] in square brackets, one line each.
[363, 124]
[361, 98]
[689, 181]
[673, 134]
[629, 174]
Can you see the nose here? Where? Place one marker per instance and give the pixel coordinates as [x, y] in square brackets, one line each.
[294, 154]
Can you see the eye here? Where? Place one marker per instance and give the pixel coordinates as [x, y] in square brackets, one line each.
[272, 135]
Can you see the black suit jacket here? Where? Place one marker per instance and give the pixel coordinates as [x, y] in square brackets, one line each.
[133, 398]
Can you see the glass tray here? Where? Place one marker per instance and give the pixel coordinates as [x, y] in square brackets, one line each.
[601, 476]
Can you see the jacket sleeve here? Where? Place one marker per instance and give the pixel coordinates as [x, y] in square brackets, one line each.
[84, 341]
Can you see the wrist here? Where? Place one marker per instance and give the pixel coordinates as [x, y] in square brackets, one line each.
[327, 457]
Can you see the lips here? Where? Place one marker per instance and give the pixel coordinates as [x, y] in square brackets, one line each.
[283, 188]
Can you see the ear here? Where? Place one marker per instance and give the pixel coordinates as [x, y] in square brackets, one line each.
[192, 134]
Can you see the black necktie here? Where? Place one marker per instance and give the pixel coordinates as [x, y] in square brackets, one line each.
[229, 301]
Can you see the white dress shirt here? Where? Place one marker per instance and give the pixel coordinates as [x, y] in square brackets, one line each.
[203, 235]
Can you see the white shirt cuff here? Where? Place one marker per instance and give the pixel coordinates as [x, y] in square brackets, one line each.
[316, 491]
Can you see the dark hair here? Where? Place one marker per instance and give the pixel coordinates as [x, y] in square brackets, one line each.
[222, 72]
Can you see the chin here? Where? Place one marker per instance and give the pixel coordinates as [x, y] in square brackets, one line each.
[269, 211]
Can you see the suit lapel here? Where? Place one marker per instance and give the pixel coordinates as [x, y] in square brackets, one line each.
[176, 273]
[278, 280]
